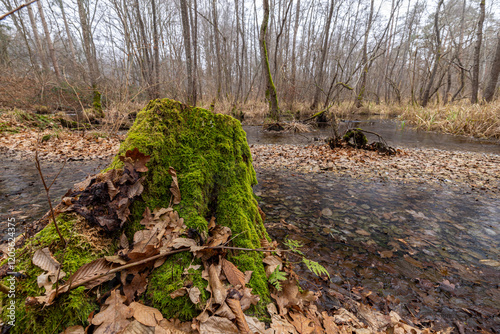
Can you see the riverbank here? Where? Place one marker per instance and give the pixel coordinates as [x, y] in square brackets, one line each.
[475, 171]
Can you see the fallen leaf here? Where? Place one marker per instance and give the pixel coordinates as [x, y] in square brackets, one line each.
[174, 187]
[146, 315]
[233, 274]
[302, 324]
[218, 325]
[115, 317]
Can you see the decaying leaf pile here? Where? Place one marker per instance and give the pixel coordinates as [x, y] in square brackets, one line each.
[104, 201]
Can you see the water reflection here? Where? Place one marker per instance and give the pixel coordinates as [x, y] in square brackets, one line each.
[392, 131]
[422, 249]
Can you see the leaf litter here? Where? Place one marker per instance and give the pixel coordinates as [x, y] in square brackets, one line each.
[165, 233]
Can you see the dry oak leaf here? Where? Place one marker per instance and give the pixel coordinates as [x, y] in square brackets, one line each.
[225, 311]
[74, 330]
[137, 159]
[115, 317]
[135, 327]
[279, 324]
[257, 326]
[302, 324]
[173, 326]
[183, 242]
[174, 187]
[329, 324]
[146, 315]
[218, 325]
[219, 235]
[233, 274]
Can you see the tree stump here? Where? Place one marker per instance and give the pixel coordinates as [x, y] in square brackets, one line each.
[215, 174]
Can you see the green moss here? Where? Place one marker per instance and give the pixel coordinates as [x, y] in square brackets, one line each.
[96, 104]
[69, 309]
[215, 173]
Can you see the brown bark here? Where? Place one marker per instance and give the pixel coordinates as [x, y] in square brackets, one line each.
[271, 94]
[477, 54]
[186, 33]
[437, 57]
[489, 92]
[52, 52]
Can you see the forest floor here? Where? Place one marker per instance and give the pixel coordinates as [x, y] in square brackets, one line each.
[476, 172]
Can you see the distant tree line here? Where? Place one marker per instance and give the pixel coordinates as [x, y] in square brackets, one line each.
[309, 53]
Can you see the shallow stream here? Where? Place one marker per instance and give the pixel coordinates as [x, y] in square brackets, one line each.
[430, 252]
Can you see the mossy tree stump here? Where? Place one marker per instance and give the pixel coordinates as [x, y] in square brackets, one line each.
[215, 174]
[214, 168]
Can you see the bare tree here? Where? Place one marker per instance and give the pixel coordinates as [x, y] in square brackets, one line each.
[271, 94]
[489, 92]
[477, 53]
[437, 57]
[186, 33]
[48, 39]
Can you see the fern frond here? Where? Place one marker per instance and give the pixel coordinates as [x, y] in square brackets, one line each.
[315, 267]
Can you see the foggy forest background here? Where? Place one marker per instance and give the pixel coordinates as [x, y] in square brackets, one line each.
[56, 52]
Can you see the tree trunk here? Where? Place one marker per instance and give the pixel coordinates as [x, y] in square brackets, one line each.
[38, 44]
[271, 95]
[364, 60]
[90, 54]
[477, 54]
[68, 33]
[489, 92]
[217, 49]
[186, 33]
[156, 54]
[52, 52]
[324, 50]
[437, 57]
[215, 178]
[294, 57]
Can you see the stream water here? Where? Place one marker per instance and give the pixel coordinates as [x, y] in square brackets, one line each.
[429, 252]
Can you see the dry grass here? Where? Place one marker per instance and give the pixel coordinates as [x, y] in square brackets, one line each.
[297, 127]
[478, 120]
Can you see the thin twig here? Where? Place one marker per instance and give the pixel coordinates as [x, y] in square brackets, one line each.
[16, 9]
[47, 189]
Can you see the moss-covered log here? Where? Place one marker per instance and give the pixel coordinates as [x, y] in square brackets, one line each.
[215, 174]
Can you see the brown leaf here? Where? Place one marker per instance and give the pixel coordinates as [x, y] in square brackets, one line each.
[136, 189]
[219, 293]
[74, 330]
[219, 235]
[194, 295]
[218, 325]
[329, 324]
[135, 327]
[248, 298]
[211, 224]
[241, 322]
[43, 259]
[272, 262]
[302, 324]
[183, 242]
[233, 274]
[146, 315]
[124, 241]
[115, 317]
[178, 293]
[225, 311]
[112, 191]
[89, 270]
[173, 326]
[174, 187]
[137, 159]
[279, 324]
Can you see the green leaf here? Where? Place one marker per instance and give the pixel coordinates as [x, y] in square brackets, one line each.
[315, 267]
[276, 277]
